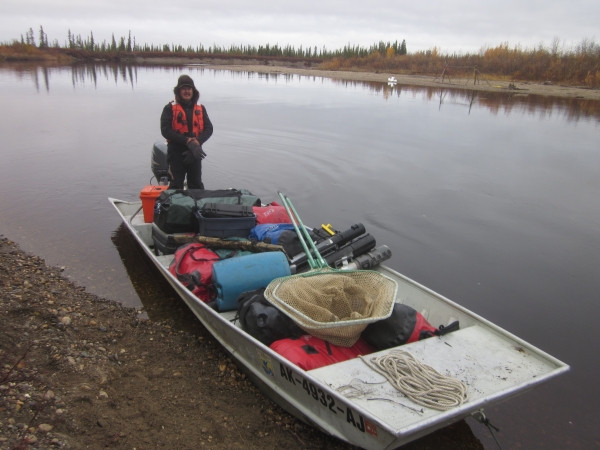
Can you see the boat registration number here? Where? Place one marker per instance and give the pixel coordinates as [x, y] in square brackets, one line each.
[327, 401]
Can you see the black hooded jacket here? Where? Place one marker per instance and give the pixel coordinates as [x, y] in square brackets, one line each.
[176, 140]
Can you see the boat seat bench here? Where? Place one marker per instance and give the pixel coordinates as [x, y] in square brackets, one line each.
[479, 357]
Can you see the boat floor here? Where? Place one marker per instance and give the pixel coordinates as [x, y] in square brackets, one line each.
[498, 367]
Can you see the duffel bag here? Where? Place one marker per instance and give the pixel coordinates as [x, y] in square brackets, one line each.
[192, 265]
[405, 325]
[309, 352]
[264, 322]
[272, 213]
[173, 209]
[269, 232]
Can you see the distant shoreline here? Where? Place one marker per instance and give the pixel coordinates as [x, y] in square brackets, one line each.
[304, 67]
[514, 87]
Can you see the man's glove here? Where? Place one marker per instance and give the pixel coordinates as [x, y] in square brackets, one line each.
[196, 151]
[188, 158]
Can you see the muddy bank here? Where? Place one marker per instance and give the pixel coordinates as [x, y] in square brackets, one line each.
[78, 371]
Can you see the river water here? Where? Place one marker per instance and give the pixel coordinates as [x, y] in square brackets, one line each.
[490, 199]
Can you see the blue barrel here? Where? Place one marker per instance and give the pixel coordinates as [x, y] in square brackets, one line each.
[233, 276]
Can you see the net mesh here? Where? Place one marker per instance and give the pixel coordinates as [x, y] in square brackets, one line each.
[335, 306]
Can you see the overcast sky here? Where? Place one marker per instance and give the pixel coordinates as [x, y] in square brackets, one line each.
[451, 25]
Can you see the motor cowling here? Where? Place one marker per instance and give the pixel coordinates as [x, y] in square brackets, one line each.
[158, 162]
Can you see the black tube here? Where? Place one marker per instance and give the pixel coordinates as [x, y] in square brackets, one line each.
[349, 251]
[326, 246]
[370, 260]
[352, 250]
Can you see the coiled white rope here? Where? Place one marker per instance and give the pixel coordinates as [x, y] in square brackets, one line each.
[419, 382]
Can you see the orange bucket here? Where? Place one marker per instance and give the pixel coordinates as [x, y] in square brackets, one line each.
[148, 196]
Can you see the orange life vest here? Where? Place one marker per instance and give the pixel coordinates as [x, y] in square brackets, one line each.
[180, 124]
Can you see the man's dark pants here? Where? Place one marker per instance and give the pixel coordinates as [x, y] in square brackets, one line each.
[178, 169]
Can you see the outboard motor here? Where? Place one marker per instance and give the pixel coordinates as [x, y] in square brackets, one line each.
[158, 163]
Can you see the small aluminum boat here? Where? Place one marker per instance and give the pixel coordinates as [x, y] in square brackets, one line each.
[494, 364]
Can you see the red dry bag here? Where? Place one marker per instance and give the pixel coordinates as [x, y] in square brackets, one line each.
[272, 213]
[309, 352]
[192, 266]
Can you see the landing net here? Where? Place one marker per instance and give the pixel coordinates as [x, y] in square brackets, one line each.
[333, 305]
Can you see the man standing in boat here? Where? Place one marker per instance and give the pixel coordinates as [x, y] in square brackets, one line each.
[186, 126]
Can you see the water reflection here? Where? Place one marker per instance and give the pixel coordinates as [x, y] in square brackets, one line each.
[80, 74]
[161, 302]
[473, 95]
[570, 109]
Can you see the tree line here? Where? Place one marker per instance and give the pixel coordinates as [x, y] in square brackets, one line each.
[128, 44]
[577, 64]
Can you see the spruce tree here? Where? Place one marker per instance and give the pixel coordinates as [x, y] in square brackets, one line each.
[43, 40]
[29, 37]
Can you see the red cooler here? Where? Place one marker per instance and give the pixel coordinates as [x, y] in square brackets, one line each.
[148, 196]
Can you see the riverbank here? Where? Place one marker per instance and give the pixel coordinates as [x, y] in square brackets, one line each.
[78, 371]
[486, 85]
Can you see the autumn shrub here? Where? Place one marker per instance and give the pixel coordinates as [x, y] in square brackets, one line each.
[17, 48]
[578, 65]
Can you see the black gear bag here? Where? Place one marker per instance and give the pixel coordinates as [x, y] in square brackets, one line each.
[173, 211]
[261, 320]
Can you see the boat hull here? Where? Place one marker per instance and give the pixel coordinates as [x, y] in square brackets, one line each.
[312, 396]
